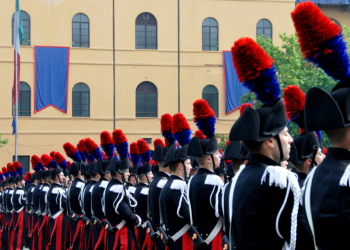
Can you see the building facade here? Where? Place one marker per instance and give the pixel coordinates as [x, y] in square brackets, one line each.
[146, 63]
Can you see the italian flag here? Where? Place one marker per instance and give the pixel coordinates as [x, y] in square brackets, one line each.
[18, 37]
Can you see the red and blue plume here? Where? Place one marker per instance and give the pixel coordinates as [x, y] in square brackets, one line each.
[1, 177]
[71, 151]
[158, 142]
[104, 156]
[204, 117]
[37, 164]
[48, 161]
[199, 134]
[121, 143]
[144, 150]
[82, 151]
[321, 40]
[255, 70]
[61, 161]
[11, 169]
[68, 164]
[5, 172]
[52, 154]
[107, 143]
[181, 129]
[319, 135]
[243, 107]
[166, 126]
[93, 150]
[134, 154]
[294, 101]
[18, 168]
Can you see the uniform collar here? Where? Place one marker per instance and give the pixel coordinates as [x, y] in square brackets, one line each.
[175, 177]
[257, 159]
[78, 179]
[163, 174]
[338, 154]
[114, 181]
[204, 170]
[143, 184]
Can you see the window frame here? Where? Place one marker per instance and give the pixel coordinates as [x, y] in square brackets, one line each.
[145, 104]
[80, 100]
[256, 29]
[210, 94]
[12, 28]
[210, 33]
[80, 29]
[145, 44]
[20, 113]
[19, 157]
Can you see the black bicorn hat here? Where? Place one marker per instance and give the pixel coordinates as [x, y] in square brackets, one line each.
[303, 146]
[236, 151]
[174, 154]
[75, 167]
[45, 174]
[119, 167]
[260, 124]
[194, 163]
[133, 170]
[85, 169]
[144, 169]
[201, 148]
[55, 172]
[92, 169]
[160, 153]
[101, 166]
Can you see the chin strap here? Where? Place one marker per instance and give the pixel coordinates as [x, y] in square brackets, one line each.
[186, 176]
[279, 147]
[212, 158]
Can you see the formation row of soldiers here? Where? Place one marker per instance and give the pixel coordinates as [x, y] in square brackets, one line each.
[198, 198]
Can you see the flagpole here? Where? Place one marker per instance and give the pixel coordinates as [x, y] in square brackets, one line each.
[16, 107]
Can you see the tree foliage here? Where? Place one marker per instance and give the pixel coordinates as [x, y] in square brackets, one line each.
[222, 141]
[3, 142]
[292, 69]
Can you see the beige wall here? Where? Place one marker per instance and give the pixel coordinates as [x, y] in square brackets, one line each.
[51, 25]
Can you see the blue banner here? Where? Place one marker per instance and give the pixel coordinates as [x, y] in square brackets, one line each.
[51, 77]
[234, 89]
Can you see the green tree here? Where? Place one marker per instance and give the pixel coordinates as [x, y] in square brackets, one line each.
[3, 142]
[292, 69]
[222, 141]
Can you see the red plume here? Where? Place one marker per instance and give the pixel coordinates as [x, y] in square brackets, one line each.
[166, 122]
[202, 110]
[142, 146]
[46, 159]
[25, 178]
[248, 67]
[157, 142]
[59, 157]
[104, 155]
[90, 145]
[294, 100]
[17, 165]
[118, 137]
[324, 150]
[81, 146]
[200, 135]
[29, 175]
[69, 149]
[4, 170]
[313, 27]
[180, 123]
[243, 107]
[35, 160]
[301, 130]
[106, 138]
[228, 142]
[52, 154]
[133, 148]
[11, 168]
[68, 164]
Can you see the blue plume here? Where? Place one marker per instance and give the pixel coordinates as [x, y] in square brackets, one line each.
[135, 158]
[19, 171]
[265, 86]
[39, 166]
[63, 165]
[83, 157]
[335, 64]
[108, 149]
[123, 150]
[91, 158]
[97, 154]
[76, 156]
[183, 137]
[146, 156]
[7, 175]
[52, 164]
[207, 126]
[169, 136]
[319, 135]
[1, 177]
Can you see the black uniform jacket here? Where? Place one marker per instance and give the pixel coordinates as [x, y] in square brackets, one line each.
[8, 197]
[56, 198]
[131, 189]
[87, 198]
[18, 199]
[141, 196]
[74, 194]
[30, 197]
[35, 198]
[43, 197]
[96, 197]
[154, 192]
[204, 196]
[301, 178]
[174, 205]
[330, 202]
[117, 207]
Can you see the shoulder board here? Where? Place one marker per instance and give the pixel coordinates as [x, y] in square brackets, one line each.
[144, 191]
[57, 190]
[80, 184]
[45, 189]
[178, 185]
[278, 176]
[11, 192]
[41, 187]
[161, 183]
[92, 187]
[104, 184]
[19, 192]
[345, 179]
[116, 189]
[213, 180]
[132, 190]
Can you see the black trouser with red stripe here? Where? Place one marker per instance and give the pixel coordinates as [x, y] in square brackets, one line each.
[57, 232]
[121, 239]
[18, 231]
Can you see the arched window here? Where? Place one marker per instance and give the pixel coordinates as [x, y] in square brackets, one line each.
[210, 94]
[210, 34]
[23, 100]
[81, 31]
[26, 28]
[146, 100]
[336, 22]
[264, 27]
[146, 31]
[81, 100]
